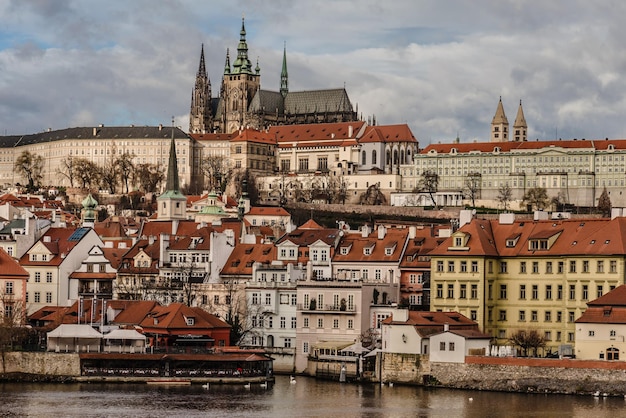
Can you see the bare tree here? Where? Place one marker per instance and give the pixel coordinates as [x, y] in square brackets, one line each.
[528, 339]
[125, 168]
[472, 187]
[536, 198]
[86, 172]
[504, 197]
[148, 176]
[218, 171]
[373, 196]
[12, 320]
[66, 169]
[251, 185]
[30, 166]
[429, 183]
[110, 175]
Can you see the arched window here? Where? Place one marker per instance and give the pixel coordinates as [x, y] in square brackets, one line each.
[388, 157]
[612, 353]
[395, 157]
[402, 157]
[374, 157]
[363, 158]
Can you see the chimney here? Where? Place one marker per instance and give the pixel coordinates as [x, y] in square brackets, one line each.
[350, 131]
[412, 232]
[95, 131]
[382, 231]
[446, 327]
[365, 231]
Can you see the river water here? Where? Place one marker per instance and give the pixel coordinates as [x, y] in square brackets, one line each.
[306, 398]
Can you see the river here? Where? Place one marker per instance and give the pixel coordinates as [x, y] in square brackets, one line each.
[306, 398]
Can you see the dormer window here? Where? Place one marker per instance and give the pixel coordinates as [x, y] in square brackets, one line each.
[191, 321]
[344, 250]
[33, 257]
[537, 244]
[367, 250]
[44, 257]
[458, 241]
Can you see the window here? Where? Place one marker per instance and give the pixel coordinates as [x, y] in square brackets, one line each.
[287, 343]
[535, 267]
[303, 164]
[571, 316]
[48, 277]
[600, 266]
[570, 336]
[612, 333]
[48, 297]
[522, 291]
[442, 346]
[320, 322]
[270, 322]
[335, 323]
[305, 347]
[451, 346]
[255, 299]
[463, 291]
[268, 298]
[474, 291]
[547, 336]
[450, 266]
[450, 291]
[473, 315]
[8, 288]
[440, 266]
[592, 333]
[191, 321]
[572, 291]
[522, 316]
[305, 322]
[613, 266]
[585, 292]
[548, 267]
[585, 266]
[533, 316]
[503, 267]
[463, 266]
[599, 291]
[37, 297]
[572, 266]
[560, 267]
[502, 291]
[535, 292]
[350, 323]
[548, 291]
[474, 266]
[559, 292]
[439, 290]
[548, 316]
[283, 322]
[522, 267]
[216, 299]
[502, 315]
[37, 277]
[559, 316]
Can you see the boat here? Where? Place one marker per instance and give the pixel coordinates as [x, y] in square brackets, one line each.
[169, 382]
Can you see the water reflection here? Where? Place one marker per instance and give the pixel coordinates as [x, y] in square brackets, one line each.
[306, 398]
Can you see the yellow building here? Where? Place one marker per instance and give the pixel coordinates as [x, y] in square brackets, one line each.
[512, 275]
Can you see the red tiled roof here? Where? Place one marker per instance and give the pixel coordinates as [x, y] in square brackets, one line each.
[315, 132]
[244, 255]
[393, 239]
[388, 133]
[172, 318]
[252, 135]
[9, 268]
[267, 211]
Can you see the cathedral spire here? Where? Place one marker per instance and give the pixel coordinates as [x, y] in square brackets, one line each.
[202, 67]
[200, 115]
[227, 63]
[172, 204]
[284, 78]
[242, 64]
[520, 127]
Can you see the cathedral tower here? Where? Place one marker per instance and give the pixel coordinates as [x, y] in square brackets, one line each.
[520, 127]
[284, 78]
[499, 125]
[239, 85]
[200, 115]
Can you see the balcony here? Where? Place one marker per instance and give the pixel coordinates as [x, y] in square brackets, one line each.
[327, 309]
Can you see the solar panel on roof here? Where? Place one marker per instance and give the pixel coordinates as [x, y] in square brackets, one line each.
[78, 234]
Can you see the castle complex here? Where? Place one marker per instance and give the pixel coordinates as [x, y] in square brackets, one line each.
[243, 104]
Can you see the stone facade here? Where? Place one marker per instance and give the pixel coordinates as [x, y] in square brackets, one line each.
[44, 364]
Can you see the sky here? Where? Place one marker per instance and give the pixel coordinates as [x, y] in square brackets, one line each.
[438, 66]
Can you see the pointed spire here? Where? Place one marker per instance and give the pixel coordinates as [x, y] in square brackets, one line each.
[172, 168]
[520, 127]
[202, 67]
[242, 64]
[284, 78]
[257, 70]
[500, 117]
[227, 64]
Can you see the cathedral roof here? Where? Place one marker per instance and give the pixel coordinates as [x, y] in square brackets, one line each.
[267, 101]
[388, 133]
[317, 101]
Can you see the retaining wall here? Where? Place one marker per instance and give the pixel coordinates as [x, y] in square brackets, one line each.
[44, 364]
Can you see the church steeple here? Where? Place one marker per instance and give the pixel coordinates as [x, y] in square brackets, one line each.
[200, 115]
[172, 203]
[227, 63]
[499, 125]
[284, 79]
[520, 127]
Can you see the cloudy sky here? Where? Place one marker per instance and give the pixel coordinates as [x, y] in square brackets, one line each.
[439, 66]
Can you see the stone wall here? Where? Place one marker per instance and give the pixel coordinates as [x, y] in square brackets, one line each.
[532, 375]
[404, 368]
[417, 212]
[45, 364]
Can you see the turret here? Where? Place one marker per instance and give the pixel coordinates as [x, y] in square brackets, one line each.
[499, 125]
[520, 127]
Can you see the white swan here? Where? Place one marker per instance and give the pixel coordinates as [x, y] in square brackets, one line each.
[205, 386]
[247, 385]
[292, 380]
[264, 385]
